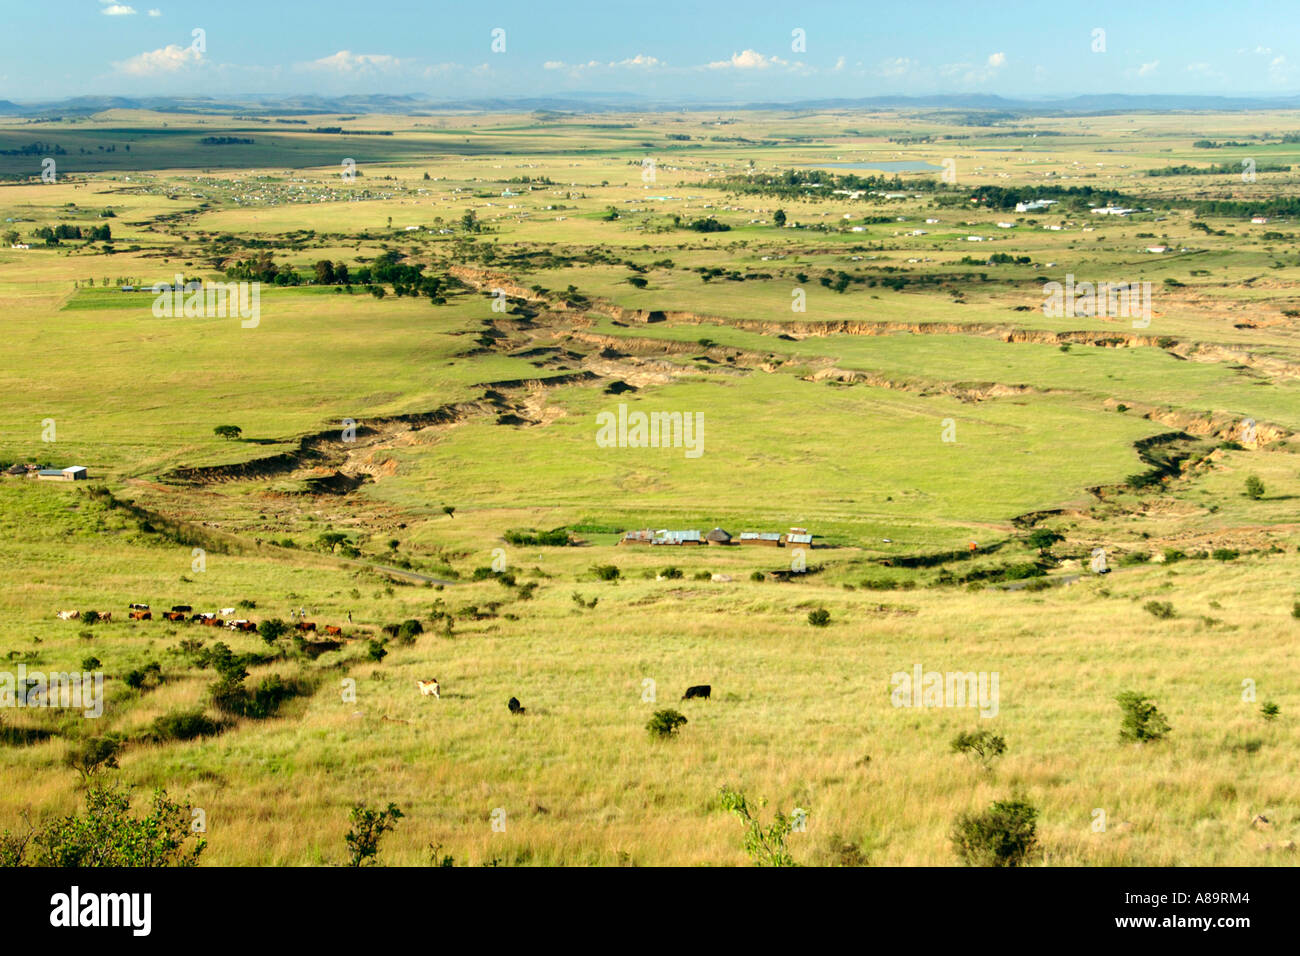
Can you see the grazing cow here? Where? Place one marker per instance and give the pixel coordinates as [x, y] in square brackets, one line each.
[69, 615]
[305, 626]
[182, 608]
[141, 616]
[212, 621]
[428, 687]
[515, 709]
[225, 611]
[137, 607]
[699, 690]
[331, 629]
[106, 615]
[247, 626]
[173, 615]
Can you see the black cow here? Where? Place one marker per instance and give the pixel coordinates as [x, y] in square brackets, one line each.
[182, 608]
[513, 704]
[699, 690]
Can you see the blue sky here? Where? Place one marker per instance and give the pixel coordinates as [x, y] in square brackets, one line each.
[663, 50]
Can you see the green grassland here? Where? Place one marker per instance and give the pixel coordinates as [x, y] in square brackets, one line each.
[897, 424]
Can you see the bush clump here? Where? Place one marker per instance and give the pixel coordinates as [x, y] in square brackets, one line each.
[184, 725]
[1003, 835]
[665, 723]
[1142, 719]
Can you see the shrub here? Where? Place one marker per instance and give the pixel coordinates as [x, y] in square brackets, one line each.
[758, 576]
[90, 664]
[1161, 609]
[272, 629]
[146, 678]
[606, 572]
[819, 617]
[982, 745]
[92, 755]
[1003, 835]
[765, 846]
[1225, 554]
[107, 835]
[376, 651]
[1254, 488]
[230, 696]
[1142, 720]
[1269, 710]
[1043, 539]
[665, 723]
[369, 827]
[671, 574]
[184, 725]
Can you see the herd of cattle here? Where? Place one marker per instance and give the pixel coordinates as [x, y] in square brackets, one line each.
[184, 612]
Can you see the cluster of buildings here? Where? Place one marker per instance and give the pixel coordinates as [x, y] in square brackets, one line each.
[795, 537]
[71, 473]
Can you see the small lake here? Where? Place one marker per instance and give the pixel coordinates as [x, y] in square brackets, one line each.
[884, 166]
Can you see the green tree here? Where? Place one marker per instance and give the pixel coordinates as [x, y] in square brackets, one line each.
[228, 432]
[1254, 488]
[94, 754]
[1142, 719]
[1003, 835]
[982, 745]
[1043, 539]
[765, 845]
[779, 218]
[368, 828]
[272, 629]
[108, 835]
[665, 723]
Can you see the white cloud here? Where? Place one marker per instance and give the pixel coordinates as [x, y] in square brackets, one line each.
[641, 61]
[345, 61]
[748, 60]
[839, 64]
[898, 66]
[1146, 69]
[168, 59]
[1279, 70]
[972, 74]
[112, 9]
[155, 13]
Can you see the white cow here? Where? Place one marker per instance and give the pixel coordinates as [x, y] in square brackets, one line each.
[227, 611]
[428, 687]
[69, 615]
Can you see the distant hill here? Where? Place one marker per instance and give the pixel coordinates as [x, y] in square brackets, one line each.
[594, 101]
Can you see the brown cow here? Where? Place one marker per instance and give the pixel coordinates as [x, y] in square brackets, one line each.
[141, 616]
[212, 621]
[246, 625]
[174, 615]
[106, 616]
[305, 626]
[331, 629]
